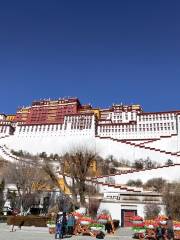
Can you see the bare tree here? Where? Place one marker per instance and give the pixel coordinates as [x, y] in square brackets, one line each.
[171, 198]
[28, 180]
[138, 164]
[151, 210]
[93, 206]
[78, 164]
[158, 184]
[75, 168]
[136, 183]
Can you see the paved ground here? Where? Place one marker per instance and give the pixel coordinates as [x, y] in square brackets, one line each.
[32, 233]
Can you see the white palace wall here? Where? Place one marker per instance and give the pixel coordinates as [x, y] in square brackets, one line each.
[60, 143]
[64, 137]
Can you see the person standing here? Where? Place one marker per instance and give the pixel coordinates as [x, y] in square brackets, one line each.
[170, 230]
[71, 223]
[59, 220]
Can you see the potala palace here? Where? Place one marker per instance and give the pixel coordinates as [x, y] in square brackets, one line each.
[124, 131]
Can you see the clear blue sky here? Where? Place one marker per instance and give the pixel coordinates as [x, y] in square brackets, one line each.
[102, 51]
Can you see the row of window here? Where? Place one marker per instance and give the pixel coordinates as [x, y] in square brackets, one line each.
[156, 117]
[80, 126]
[51, 128]
[156, 124]
[52, 111]
[52, 108]
[150, 125]
[136, 129]
[40, 128]
[77, 118]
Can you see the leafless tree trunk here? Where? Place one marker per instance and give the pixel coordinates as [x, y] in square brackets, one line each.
[75, 166]
[28, 180]
[171, 198]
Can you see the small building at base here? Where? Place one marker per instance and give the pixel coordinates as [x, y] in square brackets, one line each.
[123, 205]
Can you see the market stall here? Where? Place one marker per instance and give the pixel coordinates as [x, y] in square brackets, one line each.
[147, 228]
[85, 225]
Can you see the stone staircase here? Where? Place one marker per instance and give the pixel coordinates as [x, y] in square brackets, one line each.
[142, 145]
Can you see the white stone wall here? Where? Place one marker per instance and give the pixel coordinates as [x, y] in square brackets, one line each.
[146, 126]
[168, 144]
[80, 130]
[57, 142]
[115, 207]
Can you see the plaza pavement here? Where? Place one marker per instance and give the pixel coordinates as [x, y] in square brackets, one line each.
[33, 233]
